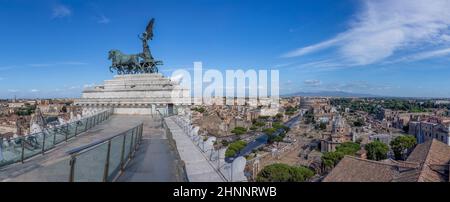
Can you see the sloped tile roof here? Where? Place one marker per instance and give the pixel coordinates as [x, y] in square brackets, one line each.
[429, 162]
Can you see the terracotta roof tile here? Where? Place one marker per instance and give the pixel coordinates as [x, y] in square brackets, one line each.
[429, 162]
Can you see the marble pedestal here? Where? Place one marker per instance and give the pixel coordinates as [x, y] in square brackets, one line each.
[141, 94]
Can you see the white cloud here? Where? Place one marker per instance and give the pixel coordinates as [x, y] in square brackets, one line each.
[89, 85]
[102, 19]
[40, 65]
[2, 68]
[13, 90]
[61, 11]
[56, 64]
[423, 55]
[312, 82]
[385, 28]
[34, 90]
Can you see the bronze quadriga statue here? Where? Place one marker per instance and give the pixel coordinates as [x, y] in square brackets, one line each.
[136, 63]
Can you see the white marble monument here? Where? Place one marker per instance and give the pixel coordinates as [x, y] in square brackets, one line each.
[136, 94]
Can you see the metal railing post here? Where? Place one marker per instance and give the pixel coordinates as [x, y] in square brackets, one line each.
[43, 142]
[54, 137]
[76, 128]
[23, 149]
[122, 155]
[85, 127]
[72, 168]
[67, 133]
[141, 131]
[131, 144]
[136, 138]
[106, 168]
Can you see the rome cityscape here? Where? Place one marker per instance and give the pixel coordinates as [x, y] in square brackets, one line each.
[366, 99]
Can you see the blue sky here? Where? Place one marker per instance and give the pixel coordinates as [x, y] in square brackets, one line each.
[396, 48]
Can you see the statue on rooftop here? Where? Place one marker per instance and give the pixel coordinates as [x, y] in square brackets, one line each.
[136, 63]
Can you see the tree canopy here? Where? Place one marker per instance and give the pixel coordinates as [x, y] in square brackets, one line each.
[239, 130]
[234, 148]
[376, 150]
[401, 144]
[284, 173]
[331, 159]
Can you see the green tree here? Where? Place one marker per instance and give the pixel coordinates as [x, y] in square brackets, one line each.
[376, 150]
[224, 143]
[284, 173]
[358, 123]
[234, 148]
[269, 131]
[279, 116]
[322, 126]
[275, 138]
[331, 159]
[401, 145]
[259, 124]
[199, 109]
[348, 148]
[239, 130]
[406, 128]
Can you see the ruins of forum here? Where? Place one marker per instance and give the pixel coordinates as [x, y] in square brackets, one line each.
[211, 86]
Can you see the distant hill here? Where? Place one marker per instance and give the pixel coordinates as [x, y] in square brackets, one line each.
[330, 94]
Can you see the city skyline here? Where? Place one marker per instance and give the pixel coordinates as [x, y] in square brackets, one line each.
[387, 48]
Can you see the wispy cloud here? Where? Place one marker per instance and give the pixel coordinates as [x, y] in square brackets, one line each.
[89, 85]
[423, 55]
[34, 90]
[13, 90]
[102, 19]
[61, 11]
[312, 82]
[388, 29]
[347, 86]
[56, 64]
[2, 68]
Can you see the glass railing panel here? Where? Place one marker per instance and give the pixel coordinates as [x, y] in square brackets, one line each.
[71, 128]
[90, 165]
[81, 126]
[58, 171]
[11, 151]
[59, 134]
[33, 144]
[127, 145]
[49, 140]
[115, 157]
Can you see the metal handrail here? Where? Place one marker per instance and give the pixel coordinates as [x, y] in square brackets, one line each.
[94, 144]
[45, 144]
[136, 138]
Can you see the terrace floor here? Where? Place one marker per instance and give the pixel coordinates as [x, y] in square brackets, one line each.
[54, 165]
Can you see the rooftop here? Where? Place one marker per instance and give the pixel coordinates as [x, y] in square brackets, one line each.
[429, 162]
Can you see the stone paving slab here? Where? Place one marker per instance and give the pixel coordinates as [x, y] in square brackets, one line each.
[197, 167]
[154, 161]
[54, 165]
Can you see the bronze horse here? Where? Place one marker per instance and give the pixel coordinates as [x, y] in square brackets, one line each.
[124, 64]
